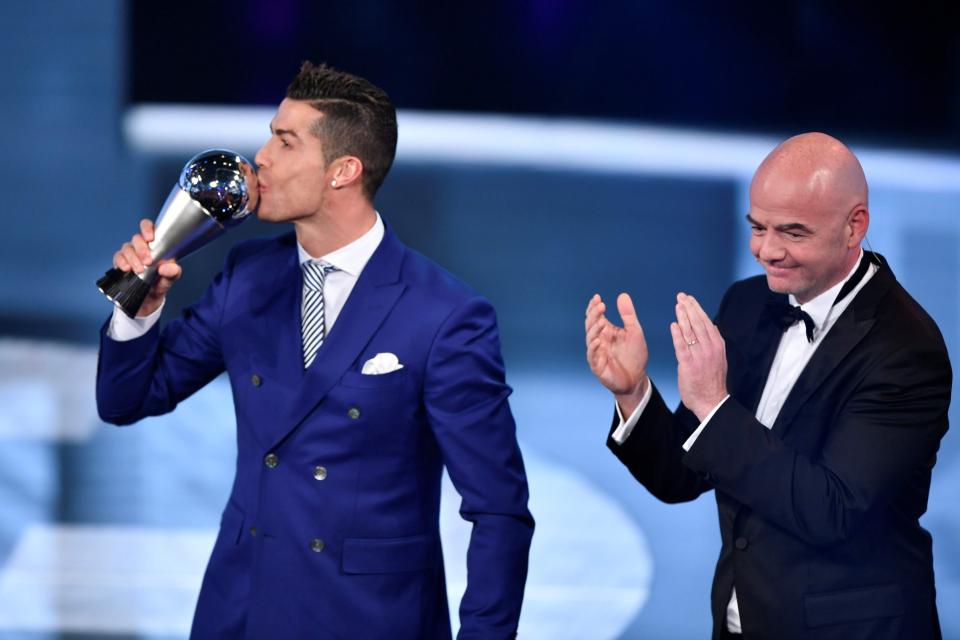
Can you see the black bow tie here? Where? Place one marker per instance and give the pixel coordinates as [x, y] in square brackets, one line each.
[786, 315]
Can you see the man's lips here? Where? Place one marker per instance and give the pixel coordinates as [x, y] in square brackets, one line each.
[777, 271]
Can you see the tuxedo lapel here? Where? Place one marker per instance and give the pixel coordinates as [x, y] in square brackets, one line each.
[843, 337]
[374, 295]
[759, 354]
[850, 328]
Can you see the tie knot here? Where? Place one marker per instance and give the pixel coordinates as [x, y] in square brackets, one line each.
[787, 315]
[793, 314]
[315, 273]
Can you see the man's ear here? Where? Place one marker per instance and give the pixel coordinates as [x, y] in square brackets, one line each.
[858, 223]
[346, 170]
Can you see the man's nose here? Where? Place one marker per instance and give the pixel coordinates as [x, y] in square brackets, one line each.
[261, 158]
[771, 247]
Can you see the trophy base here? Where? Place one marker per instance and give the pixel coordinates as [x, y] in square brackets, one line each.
[124, 289]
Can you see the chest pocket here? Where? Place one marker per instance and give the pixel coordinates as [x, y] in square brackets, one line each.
[394, 379]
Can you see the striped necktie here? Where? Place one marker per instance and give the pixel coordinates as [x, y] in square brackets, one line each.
[312, 323]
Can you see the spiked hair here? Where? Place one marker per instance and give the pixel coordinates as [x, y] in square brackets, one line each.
[357, 119]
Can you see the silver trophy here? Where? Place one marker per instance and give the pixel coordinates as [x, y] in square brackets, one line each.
[217, 190]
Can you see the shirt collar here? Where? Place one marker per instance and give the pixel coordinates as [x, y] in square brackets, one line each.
[351, 258]
[819, 307]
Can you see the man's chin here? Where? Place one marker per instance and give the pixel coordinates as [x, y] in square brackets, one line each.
[266, 215]
[779, 285]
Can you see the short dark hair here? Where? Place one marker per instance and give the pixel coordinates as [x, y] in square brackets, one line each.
[358, 119]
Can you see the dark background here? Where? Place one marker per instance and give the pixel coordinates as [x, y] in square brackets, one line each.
[889, 71]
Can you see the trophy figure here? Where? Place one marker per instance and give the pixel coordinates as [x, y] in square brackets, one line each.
[217, 190]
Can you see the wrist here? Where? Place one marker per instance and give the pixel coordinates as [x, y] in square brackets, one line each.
[705, 408]
[629, 401]
[149, 306]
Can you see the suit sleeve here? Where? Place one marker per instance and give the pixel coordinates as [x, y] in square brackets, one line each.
[150, 375]
[654, 451]
[466, 400]
[888, 430]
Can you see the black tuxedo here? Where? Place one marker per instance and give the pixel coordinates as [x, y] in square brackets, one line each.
[818, 515]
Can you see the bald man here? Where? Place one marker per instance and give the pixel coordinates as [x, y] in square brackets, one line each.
[813, 408]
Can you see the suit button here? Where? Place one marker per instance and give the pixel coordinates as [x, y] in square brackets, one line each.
[256, 380]
[271, 460]
[316, 545]
[354, 413]
[320, 473]
[741, 543]
[253, 531]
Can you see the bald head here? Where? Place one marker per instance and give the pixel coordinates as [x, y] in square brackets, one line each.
[813, 167]
[808, 213]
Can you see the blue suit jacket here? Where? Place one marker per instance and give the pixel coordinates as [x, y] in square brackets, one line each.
[357, 553]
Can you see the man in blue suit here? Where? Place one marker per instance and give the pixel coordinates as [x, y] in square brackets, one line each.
[359, 369]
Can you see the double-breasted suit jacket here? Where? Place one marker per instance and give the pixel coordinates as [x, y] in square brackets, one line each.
[331, 529]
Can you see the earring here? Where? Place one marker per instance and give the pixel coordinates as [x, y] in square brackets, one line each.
[333, 183]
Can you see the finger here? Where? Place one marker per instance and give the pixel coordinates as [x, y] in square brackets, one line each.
[595, 333]
[594, 311]
[143, 251]
[170, 270]
[699, 321]
[163, 283]
[683, 320]
[161, 287]
[679, 343]
[711, 331]
[146, 229]
[594, 301]
[596, 329]
[596, 318]
[120, 262]
[627, 312]
[130, 254]
[594, 347]
[596, 355]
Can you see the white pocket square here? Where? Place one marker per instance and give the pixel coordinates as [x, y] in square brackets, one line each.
[380, 364]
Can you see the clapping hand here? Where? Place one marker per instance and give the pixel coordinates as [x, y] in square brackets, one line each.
[701, 357]
[617, 355]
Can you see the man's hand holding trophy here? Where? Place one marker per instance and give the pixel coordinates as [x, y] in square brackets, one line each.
[217, 190]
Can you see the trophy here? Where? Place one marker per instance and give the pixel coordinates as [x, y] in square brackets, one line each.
[217, 190]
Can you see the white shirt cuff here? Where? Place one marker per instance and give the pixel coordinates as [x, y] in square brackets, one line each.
[625, 428]
[123, 328]
[696, 434]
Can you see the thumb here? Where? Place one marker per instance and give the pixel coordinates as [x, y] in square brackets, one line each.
[627, 313]
[170, 270]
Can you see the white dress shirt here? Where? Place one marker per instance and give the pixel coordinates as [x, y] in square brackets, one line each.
[793, 354]
[349, 261]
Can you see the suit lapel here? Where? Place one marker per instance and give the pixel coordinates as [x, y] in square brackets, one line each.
[276, 352]
[376, 292]
[850, 328]
[281, 311]
[843, 337]
[764, 340]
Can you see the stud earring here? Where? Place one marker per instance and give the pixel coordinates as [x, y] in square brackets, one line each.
[333, 183]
